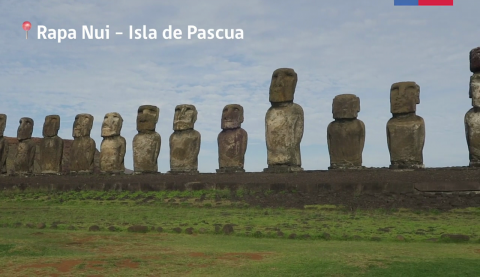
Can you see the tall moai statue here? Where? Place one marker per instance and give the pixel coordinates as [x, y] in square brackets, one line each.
[24, 160]
[146, 144]
[3, 145]
[185, 141]
[113, 147]
[83, 148]
[346, 135]
[284, 123]
[405, 130]
[232, 140]
[472, 117]
[51, 147]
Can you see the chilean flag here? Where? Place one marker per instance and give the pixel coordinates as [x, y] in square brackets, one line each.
[423, 2]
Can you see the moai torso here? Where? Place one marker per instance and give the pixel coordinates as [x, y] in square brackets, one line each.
[284, 124]
[232, 141]
[346, 135]
[113, 147]
[405, 130]
[25, 157]
[185, 141]
[472, 117]
[51, 147]
[83, 148]
[146, 144]
[3, 145]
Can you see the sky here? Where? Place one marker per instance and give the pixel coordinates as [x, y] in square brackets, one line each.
[336, 47]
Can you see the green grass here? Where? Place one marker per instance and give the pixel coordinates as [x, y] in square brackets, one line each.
[340, 242]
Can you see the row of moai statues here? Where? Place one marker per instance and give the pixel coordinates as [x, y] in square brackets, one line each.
[284, 124]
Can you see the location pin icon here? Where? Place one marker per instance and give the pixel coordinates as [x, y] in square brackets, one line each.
[26, 26]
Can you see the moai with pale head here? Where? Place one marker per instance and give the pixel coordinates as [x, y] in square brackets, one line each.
[146, 144]
[284, 123]
[3, 145]
[24, 160]
[51, 147]
[113, 147]
[405, 130]
[185, 141]
[346, 135]
[83, 148]
[232, 140]
[472, 117]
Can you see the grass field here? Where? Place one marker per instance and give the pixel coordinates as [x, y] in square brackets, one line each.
[182, 233]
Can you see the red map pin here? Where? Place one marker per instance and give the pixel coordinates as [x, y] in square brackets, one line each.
[26, 26]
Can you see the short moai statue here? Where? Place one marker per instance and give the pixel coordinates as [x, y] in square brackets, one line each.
[472, 117]
[83, 148]
[3, 145]
[146, 144]
[346, 135]
[113, 146]
[284, 123]
[51, 147]
[24, 160]
[405, 130]
[185, 141]
[232, 140]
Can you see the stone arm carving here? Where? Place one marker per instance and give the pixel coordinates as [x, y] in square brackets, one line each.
[3, 154]
[31, 156]
[157, 148]
[123, 149]
[362, 137]
[90, 153]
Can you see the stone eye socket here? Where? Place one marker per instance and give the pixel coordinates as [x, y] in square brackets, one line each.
[236, 109]
[226, 109]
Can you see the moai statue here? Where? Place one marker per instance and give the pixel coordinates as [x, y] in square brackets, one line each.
[405, 130]
[346, 135]
[185, 141]
[113, 147]
[3, 145]
[472, 117]
[26, 148]
[283, 124]
[232, 141]
[146, 144]
[83, 148]
[51, 147]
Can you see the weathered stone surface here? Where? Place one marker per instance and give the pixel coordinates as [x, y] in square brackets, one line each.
[475, 60]
[146, 144]
[284, 123]
[113, 147]
[405, 130]
[346, 135]
[25, 155]
[185, 141]
[51, 147]
[83, 147]
[3, 145]
[345, 106]
[472, 122]
[232, 141]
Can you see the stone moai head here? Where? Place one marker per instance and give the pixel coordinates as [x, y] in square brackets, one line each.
[345, 106]
[25, 129]
[112, 125]
[404, 97]
[282, 87]
[474, 91]
[147, 118]
[185, 117]
[475, 60]
[232, 116]
[82, 126]
[3, 123]
[51, 125]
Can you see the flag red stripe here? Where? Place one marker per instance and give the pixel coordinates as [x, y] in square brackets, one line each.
[435, 2]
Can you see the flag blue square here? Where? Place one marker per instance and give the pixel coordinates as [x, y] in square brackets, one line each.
[406, 3]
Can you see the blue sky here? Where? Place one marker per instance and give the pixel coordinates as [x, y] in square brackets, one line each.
[336, 47]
